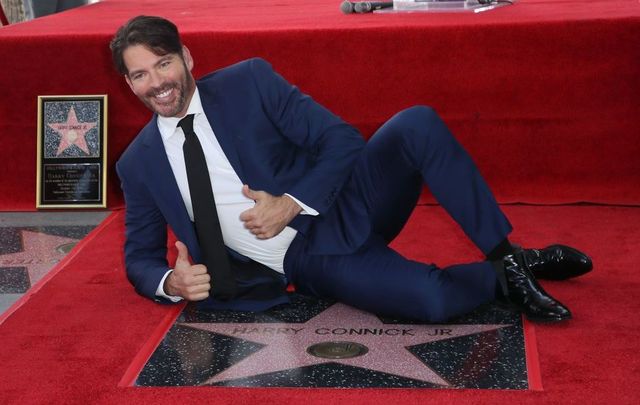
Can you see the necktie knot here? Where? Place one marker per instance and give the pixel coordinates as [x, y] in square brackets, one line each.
[186, 124]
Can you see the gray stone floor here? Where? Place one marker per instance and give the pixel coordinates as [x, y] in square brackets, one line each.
[24, 263]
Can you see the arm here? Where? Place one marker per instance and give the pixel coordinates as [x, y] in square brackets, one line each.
[334, 144]
[146, 235]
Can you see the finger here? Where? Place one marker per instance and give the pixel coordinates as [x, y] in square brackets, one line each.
[251, 225]
[247, 215]
[253, 194]
[196, 289]
[201, 296]
[198, 269]
[248, 192]
[198, 297]
[262, 235]
[202, 279]
[183, 253]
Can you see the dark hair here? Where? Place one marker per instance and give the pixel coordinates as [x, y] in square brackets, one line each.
[157, 34]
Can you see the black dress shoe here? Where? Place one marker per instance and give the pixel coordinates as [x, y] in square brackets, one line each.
[522, 291]
[557, 262]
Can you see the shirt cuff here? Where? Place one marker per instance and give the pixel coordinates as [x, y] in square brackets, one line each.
[306, 210]
[160, 290]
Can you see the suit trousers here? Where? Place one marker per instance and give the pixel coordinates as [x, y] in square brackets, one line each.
[411, 149]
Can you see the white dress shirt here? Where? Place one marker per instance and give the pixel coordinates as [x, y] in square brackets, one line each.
[227, 189]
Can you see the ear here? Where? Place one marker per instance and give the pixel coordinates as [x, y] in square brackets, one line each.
[186, 55]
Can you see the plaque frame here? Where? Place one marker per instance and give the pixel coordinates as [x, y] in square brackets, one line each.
[71, 167]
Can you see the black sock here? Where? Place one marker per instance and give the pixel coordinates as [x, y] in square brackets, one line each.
[503, 249]
[502, 290]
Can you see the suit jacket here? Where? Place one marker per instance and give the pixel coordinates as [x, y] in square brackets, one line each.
[277, 139]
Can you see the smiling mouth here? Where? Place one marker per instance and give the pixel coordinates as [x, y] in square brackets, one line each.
[163, 95]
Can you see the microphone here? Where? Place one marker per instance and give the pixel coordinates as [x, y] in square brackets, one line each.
[346, 7]
[362, 7]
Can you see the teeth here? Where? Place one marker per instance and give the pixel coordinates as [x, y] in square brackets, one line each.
[163, 94]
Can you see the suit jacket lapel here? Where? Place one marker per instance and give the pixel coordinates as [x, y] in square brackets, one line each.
[163, 186]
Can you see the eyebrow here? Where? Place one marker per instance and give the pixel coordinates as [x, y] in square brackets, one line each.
[164, 58]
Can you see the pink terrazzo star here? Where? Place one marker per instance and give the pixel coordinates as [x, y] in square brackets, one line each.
[72, 133]
[39, 254]
[287, 343]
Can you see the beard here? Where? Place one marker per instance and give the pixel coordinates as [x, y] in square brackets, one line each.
[176, 102]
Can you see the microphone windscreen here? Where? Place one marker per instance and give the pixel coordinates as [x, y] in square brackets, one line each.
[362, 7]
[346, 7]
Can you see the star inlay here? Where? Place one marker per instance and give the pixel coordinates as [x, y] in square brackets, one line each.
[72, 133]
[39, 254]
[286, 344]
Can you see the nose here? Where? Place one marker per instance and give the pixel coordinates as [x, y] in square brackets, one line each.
[155, 80]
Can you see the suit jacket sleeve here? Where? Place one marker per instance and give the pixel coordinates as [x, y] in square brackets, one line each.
[334, 144]
[146, 233]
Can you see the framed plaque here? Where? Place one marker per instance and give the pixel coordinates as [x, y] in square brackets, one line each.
[72, 152]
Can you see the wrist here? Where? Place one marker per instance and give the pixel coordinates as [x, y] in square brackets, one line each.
[293, 206]
[168, 285]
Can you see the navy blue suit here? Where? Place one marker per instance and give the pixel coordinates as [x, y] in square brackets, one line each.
[279, 140]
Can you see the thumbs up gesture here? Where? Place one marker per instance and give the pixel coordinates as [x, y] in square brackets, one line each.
[188, 281]
[270, 214]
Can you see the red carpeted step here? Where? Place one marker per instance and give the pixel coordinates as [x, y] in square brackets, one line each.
[542, 93]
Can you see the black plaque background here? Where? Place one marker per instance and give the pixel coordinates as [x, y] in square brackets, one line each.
[83, 178]
[85, 195]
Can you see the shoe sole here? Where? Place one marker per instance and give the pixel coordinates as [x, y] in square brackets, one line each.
[549, 320]
[512, 308]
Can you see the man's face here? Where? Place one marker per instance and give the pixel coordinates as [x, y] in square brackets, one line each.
[163, 83]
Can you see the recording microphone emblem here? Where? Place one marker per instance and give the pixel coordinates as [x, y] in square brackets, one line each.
[362, 7]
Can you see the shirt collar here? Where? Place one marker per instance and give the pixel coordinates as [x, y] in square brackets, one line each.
[168, 125]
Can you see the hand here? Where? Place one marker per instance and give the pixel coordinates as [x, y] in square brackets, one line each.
[270, 214]
[188, 281]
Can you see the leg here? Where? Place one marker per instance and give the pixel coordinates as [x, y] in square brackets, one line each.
[413, 147]
[377, 279]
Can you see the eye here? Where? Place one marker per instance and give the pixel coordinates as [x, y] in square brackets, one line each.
[137, 76]
[165, 64]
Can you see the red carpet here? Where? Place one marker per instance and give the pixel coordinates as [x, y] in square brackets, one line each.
[544, 94]
[73, 340]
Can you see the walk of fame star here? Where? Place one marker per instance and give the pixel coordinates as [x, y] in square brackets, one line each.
[317, 343]
[47, 254]
[72, 132]
[286, 344]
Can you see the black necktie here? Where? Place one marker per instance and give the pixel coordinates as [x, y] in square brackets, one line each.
[214, 255]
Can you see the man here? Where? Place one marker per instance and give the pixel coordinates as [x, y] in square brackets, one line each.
[300, 196]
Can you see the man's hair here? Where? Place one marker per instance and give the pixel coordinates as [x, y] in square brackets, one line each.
[157, 34]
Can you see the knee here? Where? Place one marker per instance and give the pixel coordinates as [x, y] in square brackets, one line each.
[421, 127]
[418, 115]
